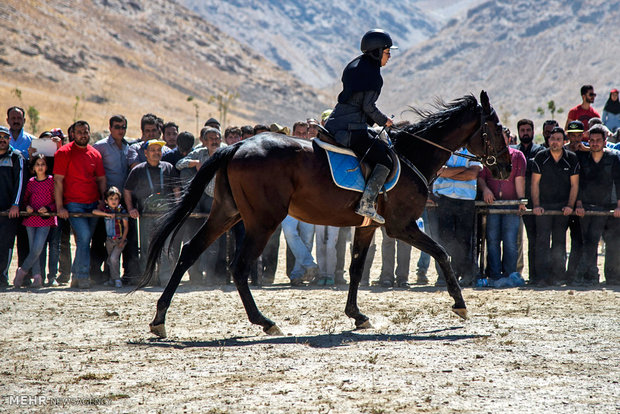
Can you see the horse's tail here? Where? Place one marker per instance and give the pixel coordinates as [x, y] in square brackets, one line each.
[171, 222]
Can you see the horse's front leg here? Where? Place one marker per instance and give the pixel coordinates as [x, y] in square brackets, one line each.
[420, 240]
[361, 242]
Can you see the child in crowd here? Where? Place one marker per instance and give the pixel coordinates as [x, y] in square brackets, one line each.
[39, 197]
[116, 229]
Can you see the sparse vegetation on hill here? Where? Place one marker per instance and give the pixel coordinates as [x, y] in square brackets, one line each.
[99, 57]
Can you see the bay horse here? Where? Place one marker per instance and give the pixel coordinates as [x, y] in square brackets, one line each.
[262, 179]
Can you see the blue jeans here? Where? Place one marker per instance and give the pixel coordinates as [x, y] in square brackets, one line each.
[299, 237]
[83, 228]
[53, 241]
[425, 259]
[37, 238]
[502, 229]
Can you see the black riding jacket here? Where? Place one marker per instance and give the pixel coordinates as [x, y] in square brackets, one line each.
[356, 108]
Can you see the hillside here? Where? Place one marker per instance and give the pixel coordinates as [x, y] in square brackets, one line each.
[524, 53]
[314, 39]
[133, 57]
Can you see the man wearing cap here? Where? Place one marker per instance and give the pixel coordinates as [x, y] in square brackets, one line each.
[525, 130]
[575, 134]
[154, 185]
[584, 111]
[325, 115]
[79, 184]
[555, 183]
[599, 176]
[12, 186]
[213, 123]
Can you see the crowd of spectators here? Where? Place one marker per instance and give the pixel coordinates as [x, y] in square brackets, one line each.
[109, 192]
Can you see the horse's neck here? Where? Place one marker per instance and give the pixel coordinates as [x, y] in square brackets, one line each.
[429, 159]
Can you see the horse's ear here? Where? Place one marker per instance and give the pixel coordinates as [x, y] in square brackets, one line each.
[484, 100]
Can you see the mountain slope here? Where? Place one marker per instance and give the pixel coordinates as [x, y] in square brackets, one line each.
[523, 53]
[133, 57]
[314, 39]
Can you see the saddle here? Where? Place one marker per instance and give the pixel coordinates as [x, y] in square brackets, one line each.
[346, 170]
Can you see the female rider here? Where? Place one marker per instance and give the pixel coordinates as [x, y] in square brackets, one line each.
[356, 111]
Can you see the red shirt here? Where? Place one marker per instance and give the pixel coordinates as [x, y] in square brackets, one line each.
[80, 167]
[505, 189]
[579, 114]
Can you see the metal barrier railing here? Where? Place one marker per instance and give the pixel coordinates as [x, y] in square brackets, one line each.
[482, 209]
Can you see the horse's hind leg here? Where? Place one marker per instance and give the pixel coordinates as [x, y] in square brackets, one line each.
[191, 251]
[420, 240]
[361, 242]
[253, 244]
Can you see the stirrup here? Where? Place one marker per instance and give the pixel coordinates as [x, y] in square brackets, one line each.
[371, 214]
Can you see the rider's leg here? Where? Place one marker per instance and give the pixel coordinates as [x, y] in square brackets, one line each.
[373, 151]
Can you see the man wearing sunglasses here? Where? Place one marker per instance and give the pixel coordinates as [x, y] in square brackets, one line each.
[584, 111]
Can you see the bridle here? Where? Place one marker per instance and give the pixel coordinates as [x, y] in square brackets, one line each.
[487, 159]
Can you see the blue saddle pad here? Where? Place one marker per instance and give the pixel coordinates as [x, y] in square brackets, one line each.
[347, 173]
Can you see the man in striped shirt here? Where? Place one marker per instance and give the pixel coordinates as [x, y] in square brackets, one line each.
[455, 192]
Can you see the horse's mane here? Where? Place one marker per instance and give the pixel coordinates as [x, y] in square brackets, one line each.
[445, 116]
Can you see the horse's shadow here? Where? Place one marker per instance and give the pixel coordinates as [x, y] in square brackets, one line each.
[314, 341]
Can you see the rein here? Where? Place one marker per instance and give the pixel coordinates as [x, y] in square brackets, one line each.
[486, 159]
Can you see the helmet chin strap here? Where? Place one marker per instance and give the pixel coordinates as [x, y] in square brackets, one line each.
[375, 54]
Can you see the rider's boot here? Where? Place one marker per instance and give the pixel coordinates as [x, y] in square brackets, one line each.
[366, 206]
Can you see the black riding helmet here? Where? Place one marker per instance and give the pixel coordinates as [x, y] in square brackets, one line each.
[374, 41]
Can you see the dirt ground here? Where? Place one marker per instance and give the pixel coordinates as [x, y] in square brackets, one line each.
[522, 350]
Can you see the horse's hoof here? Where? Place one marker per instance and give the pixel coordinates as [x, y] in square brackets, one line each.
[159, 330]
[462, 312]
[274, 331]
[365, 325]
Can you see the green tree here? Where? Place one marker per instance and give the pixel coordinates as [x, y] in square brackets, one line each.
[33, 116]
[551, 107]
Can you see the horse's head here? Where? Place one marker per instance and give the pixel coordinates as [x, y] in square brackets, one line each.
[488, 141]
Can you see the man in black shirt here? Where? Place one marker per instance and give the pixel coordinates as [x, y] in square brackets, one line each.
[525, 129]
[555, 184]
[153, 185]
[600, 172]
[574, 269]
